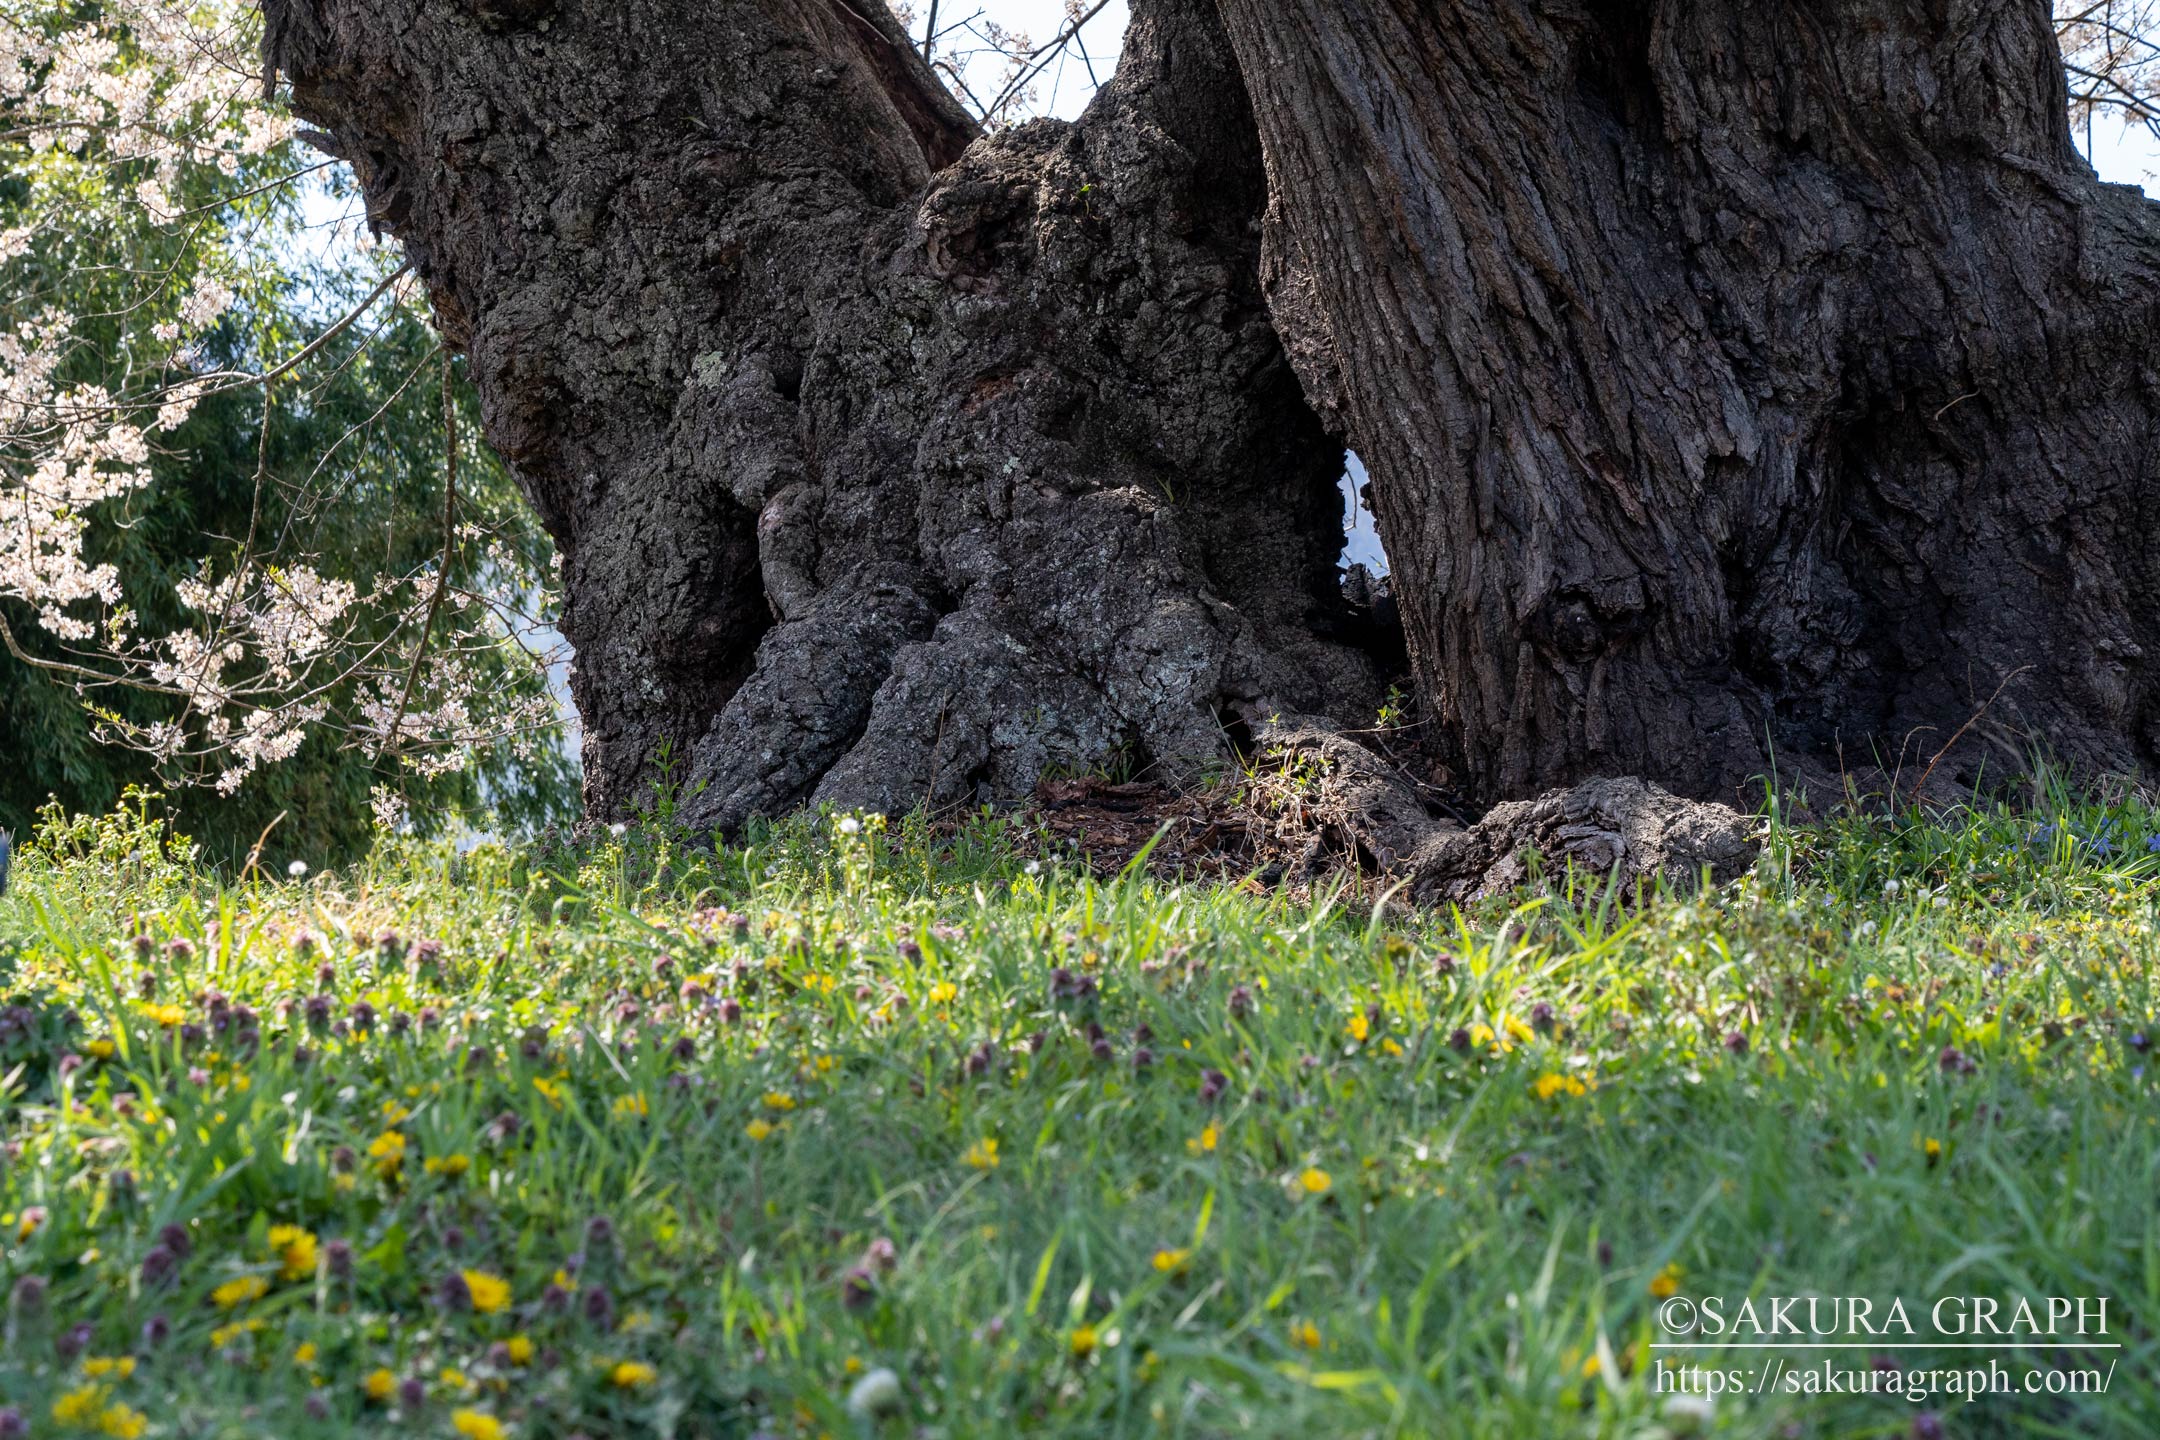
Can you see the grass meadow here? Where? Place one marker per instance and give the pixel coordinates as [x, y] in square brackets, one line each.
[863, 1131]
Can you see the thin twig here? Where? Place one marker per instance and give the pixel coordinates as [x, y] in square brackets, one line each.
[442, 575]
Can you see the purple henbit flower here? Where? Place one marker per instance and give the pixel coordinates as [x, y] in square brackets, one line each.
[316, 1405]
[882, 1256]
[910, 952]
[363, 1017]
[304, 943]
[1956, 1062]
[389, 944]
[326, 975]
[599, 1232]
[1142, 1034]
[663, 967]
[858, 1290]
[1101, 1050]
[317, 1010]
[191, 1035]
[1541, 1018]
[338, 1257]
[600, 1307]
[554, 1299]
[2140, 1041]
[175, 1238]
[1212, 1085]
[411, 1393]
[144, 946]
[156, 1331]
[453, 1293]
[1737, 1042]
[146, 985]
[430, 1017]
[400, 1022]
[69, 1064]
[1459, 1041]
[504, 1127]
[28, 1296]
[12, 1424]
[1604, 1254]
[1241, 1002]
[453, 1238]
[685, 1049]
[730, 1012]
[343, 1159]
[1444, 964]
[179, 952]
[1142, 1058]
[532, 1043]
[1926, 1426]
[72, 1341]
[158, 1266]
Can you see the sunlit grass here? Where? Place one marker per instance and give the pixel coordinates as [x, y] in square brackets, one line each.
[638, 1140]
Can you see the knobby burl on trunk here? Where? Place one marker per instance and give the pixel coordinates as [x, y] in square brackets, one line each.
[887, 460]
[1736, 379]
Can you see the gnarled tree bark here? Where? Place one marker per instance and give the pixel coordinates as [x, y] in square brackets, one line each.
[887, 461]
[1734, 378]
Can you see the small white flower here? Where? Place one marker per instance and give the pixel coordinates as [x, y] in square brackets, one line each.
[298, 869]
[1890, 887]
[1034, 867]
[875, 1394]
[851, 826]
[618, 829]
[1690, 1414]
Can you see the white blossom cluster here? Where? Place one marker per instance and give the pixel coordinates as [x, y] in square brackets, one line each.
[112, 109]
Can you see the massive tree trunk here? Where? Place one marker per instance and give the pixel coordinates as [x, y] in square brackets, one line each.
[887, 461]
[1731, 376]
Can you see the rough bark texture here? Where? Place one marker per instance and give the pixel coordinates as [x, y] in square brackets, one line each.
[886, 461]
[1631, 832]
[1730, 374]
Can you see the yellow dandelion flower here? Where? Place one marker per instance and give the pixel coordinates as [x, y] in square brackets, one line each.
[122, 1422]
[490, 1293]
[1359, 1028]
[632, 1375]
[1207, 1141]
[387, 1150]
[305, 1353]
[1171, 1262]
[563, 1281]
[1480, 1036]
[477, 1425]
[1666, 1283]
[379, 1386]
[295, 1250]
[779, 1100]
[118, 1366]
[1316, 1181]
[79, 1406]
[1933, 1147]
[168, 1016]
[1305, 1335]
[1389, 1048]
[1517, 1030]
[1082, 1341]
[100, 1049]
[983, 1154]
[240, 1291]
[549, 1091]
[453, 1378]
[631, 1107]
[757, 1129]
[450, 1165]
[520, 1349]
[944, 993]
